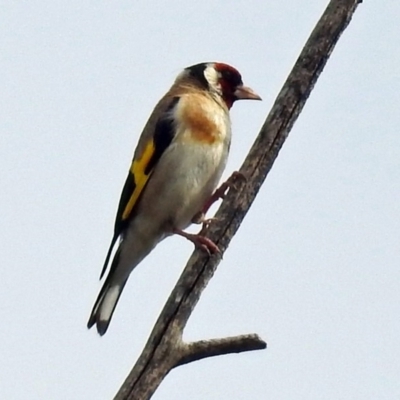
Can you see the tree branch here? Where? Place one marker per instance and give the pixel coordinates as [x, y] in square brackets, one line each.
[217, 347]
[165, 349]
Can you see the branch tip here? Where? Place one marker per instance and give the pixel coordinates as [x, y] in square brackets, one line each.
[216, 347]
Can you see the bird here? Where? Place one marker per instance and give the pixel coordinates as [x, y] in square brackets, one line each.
[176, 167]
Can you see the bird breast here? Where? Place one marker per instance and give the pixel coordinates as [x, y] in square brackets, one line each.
[202, 118]
[192, 165]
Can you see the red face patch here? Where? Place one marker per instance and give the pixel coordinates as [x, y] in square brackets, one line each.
[229, 81]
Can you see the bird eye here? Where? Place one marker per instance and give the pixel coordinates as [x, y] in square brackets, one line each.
[231, 77]
[227, 75]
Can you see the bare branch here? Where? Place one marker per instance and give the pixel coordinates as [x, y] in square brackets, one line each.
[164, 348]
[216, 347]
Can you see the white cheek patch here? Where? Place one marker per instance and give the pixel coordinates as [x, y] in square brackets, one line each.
[212, 77]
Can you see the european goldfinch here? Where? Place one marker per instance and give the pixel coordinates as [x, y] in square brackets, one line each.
[176, 168]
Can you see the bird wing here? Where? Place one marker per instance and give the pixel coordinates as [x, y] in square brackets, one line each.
[157, 135]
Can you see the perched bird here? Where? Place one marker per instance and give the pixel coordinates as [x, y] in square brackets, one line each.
[176, 168]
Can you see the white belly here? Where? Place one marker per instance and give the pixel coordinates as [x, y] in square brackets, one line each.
[184, 179]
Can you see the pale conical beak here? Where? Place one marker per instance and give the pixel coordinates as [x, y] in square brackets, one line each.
[246, 93]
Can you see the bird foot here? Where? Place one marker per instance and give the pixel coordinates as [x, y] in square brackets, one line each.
[199, 241]
[219, 193]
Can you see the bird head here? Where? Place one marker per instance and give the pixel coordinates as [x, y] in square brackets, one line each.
[221, 80]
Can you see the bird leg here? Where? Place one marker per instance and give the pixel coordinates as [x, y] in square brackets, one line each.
[220, 193]
[199, 241]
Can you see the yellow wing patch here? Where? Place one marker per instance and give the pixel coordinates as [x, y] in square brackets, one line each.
[138, 171]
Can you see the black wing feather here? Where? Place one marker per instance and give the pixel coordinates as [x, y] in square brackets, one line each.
[164, 133]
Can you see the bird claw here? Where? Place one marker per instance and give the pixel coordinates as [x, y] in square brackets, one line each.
[237, 175]
[234, 179]
[205, 244]
[221, 192]
[200, 241]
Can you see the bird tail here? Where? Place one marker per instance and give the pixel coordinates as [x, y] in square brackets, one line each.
[105, 304]
[129, 254]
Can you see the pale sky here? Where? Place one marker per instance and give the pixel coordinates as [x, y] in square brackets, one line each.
[314, 268]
